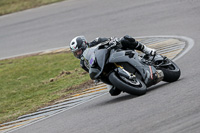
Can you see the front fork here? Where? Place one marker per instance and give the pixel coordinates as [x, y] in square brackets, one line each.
[124, 73]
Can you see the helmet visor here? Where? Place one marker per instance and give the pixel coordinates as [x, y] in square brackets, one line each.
[78, 53]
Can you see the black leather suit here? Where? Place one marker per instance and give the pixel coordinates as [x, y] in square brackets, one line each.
[127, 42]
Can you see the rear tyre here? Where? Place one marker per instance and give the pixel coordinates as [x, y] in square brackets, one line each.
[171, 72]
[136, 87]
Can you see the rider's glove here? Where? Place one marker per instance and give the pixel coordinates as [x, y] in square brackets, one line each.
[149, 51]
[114, 41]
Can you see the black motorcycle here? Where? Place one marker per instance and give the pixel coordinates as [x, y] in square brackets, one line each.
[126, 70]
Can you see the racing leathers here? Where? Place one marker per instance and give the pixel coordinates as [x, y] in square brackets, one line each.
[126, 42]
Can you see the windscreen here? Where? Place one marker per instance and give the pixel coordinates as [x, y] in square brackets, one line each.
[89, 55]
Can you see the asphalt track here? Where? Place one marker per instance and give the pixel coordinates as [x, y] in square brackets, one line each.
[166, 108]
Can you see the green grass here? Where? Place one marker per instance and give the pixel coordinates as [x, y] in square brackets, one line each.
[29, 83]
[10, 6]
[32, 82]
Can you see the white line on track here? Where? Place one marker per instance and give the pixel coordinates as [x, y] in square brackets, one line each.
[190, 44]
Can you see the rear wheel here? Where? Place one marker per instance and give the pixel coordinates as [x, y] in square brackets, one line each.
[171, 72]
[134, 86]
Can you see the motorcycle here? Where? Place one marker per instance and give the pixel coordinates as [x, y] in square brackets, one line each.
[126, 70]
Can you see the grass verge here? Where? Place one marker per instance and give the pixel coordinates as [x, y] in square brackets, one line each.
[10, 6]
[29, 83]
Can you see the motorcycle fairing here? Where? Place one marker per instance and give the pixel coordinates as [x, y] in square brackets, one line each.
[95, 72]
[147, 72]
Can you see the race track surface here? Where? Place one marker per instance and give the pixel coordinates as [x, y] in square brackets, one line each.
[166, 108]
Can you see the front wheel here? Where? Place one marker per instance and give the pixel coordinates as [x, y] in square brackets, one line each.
[134, 87]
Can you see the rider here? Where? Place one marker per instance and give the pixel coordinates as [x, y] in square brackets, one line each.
[79, 44]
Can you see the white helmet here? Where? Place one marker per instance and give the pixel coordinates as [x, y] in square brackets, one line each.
[78, 45]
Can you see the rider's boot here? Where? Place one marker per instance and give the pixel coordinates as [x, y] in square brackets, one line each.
[148, 50]
[145, 49]
[114, 91]
[131, 43]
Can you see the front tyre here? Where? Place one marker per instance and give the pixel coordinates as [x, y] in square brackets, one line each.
[132, 87]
